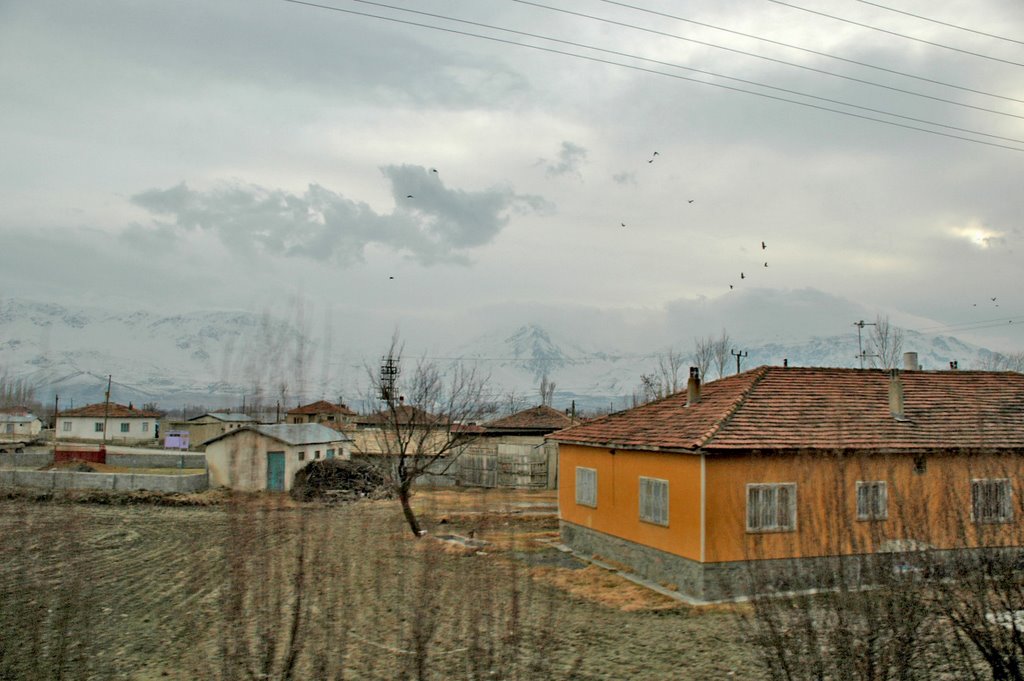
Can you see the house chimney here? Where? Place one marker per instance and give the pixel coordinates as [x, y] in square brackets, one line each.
[896, 395]
[785, 363]
[953, 366]
[910, 361]
[693, 387]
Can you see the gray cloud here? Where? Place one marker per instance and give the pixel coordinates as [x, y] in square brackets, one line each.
[570, 157]
[625, 177]
[435, 225]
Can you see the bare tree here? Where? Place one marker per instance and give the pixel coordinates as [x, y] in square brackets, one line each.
[703, 353]
[997, 361]
[720, 351]
[547, 390]
[886, 344]
[670, 364]
[422, 428]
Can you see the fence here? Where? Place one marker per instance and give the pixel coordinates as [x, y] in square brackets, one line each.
[122, 482]
[508, 465]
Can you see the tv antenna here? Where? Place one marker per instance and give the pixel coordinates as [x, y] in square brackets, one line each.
[860, 347]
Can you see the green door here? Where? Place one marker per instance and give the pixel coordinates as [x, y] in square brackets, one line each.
[275, 471]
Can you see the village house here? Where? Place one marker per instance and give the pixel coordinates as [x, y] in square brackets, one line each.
[337, 416]
[266, 457]
[512, 451]
[108, 422]
[796, 469]
[19, 423]
[209, 425]
[422, 431]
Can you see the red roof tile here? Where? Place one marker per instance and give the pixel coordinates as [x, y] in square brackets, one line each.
[321, 407]
[775, 408]
[116, 411]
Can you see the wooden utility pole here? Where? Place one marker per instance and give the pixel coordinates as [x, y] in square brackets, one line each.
[106, 410]
[738, 355]
[56, 410]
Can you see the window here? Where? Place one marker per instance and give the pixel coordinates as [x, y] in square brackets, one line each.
[302, 456]
[66, 426]
[330, 453]
[316, 454]
[991, 501]
[98, 426]
[125, 427]
[872, 501]
[654, 500]
[586, 487]
[771, 508]
[145, 426]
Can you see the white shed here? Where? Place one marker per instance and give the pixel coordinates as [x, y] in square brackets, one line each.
[254, 458]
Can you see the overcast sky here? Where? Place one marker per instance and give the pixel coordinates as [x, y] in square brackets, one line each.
[247, 154]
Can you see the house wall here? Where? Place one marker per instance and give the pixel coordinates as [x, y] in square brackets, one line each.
[240, 461]
[618, 490]
[931, 508]
[83, 428]
[375, 440]
[17, 429]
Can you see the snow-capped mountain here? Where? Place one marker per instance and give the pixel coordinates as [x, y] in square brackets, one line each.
[216, 358]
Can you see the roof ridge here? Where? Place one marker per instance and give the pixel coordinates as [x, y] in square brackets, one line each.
[708, 436]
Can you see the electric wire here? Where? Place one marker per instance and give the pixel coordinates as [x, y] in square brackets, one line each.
[941, 23]
[758, 56]
[899, 35]
[660, 73]
[876, 67]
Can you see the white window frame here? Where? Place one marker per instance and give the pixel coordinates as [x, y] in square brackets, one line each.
[1003, 515]
[126, 427]
[653, 501]
[66, 427]
[97, 427]
[767, 519]
[586, 486]
[872, 500]
[145, 426]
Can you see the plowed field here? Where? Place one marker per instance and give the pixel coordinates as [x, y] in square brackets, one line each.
[260, 587]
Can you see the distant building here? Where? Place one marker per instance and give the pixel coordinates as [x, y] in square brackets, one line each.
[17, 423]
[123, 423]
[337, 416]
[262, 457]
[208, 426]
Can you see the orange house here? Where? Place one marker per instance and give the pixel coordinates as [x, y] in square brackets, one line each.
[796, 468]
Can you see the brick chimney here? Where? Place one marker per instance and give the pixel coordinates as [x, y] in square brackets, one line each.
[896, 402]
[693, 387]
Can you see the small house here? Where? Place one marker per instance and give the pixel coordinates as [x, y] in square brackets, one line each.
[109, 422]
[266, 457]
[804, 470]
[19, 423]
[209, 425]
[337, 416]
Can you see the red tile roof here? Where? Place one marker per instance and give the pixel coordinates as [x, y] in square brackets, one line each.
[321, 407]
[116, 411]
[541, 417]
[775, 408]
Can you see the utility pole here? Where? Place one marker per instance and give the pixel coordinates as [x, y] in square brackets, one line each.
[860, 348]
[388, 373]
[738, 355]
[56, 411]
[106, 410]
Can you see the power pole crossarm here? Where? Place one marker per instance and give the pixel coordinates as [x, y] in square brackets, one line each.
[738, 354]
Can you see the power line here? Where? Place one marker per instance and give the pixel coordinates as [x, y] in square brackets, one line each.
[656, 72]
[756, 56]
[898, 35]
[941, 23]
[808, 50]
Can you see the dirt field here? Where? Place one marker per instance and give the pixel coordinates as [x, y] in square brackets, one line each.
[261, 587]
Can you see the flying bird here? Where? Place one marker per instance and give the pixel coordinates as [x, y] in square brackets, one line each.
[408, 196]
[623, 224]
[763, 246]
[390, 277]
[656, 153]
[742, 276]
[650, 160]
[433, 170]
[766, 264]
[993, 300]
[730, 287]
[690, 201]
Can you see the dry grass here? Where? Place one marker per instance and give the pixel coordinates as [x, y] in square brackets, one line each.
[598, 585]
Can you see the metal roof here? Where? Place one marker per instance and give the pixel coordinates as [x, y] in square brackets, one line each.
[292, 434]
[233, 417]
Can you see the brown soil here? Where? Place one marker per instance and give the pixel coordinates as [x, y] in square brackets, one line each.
[148, 592]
